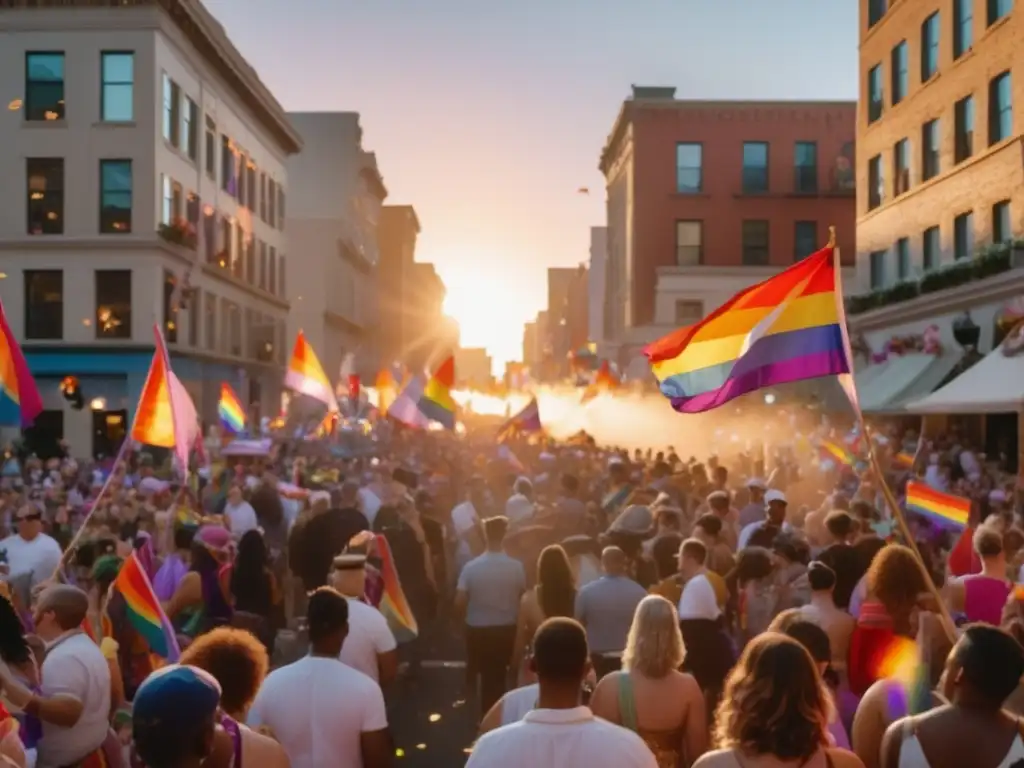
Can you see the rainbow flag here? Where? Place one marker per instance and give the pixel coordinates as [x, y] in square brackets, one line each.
[942, 508]
[165, 415]
[393, 604]
[903, 460]
[902, 665]
[784, 329]
[230, 410]
[604, 381]
[436, 401]
[144, 611]
[838, 453]
[20, 402]
[526, 421]
[306, 376]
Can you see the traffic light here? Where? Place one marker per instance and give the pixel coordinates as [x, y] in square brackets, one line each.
[72, 392]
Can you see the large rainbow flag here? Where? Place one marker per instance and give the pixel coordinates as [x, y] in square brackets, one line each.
[436, 402]
[306, 376]
[230, 410]
[165, 415]
[144, 611]
[20, 402]
[787, 328]
[526, 421]
[942, 508]
[393, 604]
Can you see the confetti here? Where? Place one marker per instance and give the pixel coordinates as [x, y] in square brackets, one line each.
[458, 703]
[435, 717]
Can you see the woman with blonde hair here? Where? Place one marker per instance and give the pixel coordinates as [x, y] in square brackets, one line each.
[650, 696]
[774, 712]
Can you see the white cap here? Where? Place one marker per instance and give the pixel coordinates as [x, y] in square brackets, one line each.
[775, 495]
[756, 482]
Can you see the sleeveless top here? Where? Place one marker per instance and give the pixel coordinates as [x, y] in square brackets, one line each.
[984, 598]
[912, 755]
[664, 744]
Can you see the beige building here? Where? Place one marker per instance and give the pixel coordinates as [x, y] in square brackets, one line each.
[333, 215]
[147, 169]
[473, 367]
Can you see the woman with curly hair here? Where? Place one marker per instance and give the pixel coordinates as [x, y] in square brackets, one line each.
[775, 712]
[650, 696]
[553, 595]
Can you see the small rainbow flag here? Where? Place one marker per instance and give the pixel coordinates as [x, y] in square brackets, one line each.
[787, 328]
[306, 376]
[838, 452]
[393, 604]
[526, 421]
[436, 401]
[165, 415]
[144, 611]
[903, 460]
[942, 508]
[20, 402]
[230, 410]
[901, 663]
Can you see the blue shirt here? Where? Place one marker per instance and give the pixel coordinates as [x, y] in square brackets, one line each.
[605, 608]
[494, 584]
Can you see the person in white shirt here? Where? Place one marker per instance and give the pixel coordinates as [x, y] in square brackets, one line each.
[370, 645]
[698, 599]
[30, 551]
[241, 517]
[558, 731]
[775, 515]
[74, 704]
[323, 712]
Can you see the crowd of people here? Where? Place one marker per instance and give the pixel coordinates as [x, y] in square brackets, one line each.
[618, 608]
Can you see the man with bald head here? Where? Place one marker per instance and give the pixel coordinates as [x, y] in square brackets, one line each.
[605, 608]
[74, 703]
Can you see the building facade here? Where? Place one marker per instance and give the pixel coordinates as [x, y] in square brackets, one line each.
[596, 282]
[473, 368]
[150, 164]
[333, 218]
[707, 198]
[568, 289]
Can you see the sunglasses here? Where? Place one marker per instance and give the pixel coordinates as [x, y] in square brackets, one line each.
[28, 518]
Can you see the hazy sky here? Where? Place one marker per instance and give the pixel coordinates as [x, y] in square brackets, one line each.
[488, 115]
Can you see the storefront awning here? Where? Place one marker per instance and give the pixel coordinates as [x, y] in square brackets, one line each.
[995, 384]
[905, 378]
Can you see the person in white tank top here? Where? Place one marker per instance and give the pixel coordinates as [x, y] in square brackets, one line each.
[983, 669]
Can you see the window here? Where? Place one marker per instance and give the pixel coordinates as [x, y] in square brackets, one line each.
[271, 202]
[963, 129]
[689, 312]
[250, 191]
[805, 239]
[172, 112]
[45, 195]
[877, 269]
[44, 304]
[113, 304]
[226, 237]
[228, 166]
[272, 276]
[876, 182]
[755, 167]
[166, 200]
[900, 72]
[689, 243]
[210, 321]
[805, 162]
[280, 207]
[963, 236]
[997, 9]
[689, 169]
[755, 243]
[902, 259]
[211, 148]
[210, 234]
[930, 47]
[1000, 106]
[192, 213]
[930, 249]
[117, 96]
[901, 167]
[263, 196]
[115, 196]
[170, 307]
[282, 275]
[243, 173]
[263, 265]
[193, 317]
[44, 86]
[238, 253]
[190, 129]
[876, 10]
[930, 142]
[963, 27]
[250, 260]
[1002, 229]
[876, 93]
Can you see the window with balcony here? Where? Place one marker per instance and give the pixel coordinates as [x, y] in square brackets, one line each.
[689, 243]
[903, 267]
[1000, 101]
[963, 236]
[117, 94]
[805, 239]
[930, 47]
[689, 312]
[900, 72]
[931, 255]
[901, 167]
[756, 248]
[190, 128]
[170, 307]
[172, 112]
[44, 85]
[1002, 228]
[45, 191]
[963, 129]
[876, 183]
[211, 148]
[997, 9]
[963, 27]
[44, 304]
[876, 265]
[689, 168]
[113, 304]
[755, 167]
[876, 93]
[115, 197]
[931, 142]
[805, 162]
[225, 244]
[876, 10]
[192, 206]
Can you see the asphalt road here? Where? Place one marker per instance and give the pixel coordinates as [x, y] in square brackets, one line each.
[430, 724]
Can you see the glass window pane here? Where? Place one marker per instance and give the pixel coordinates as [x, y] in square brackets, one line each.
[45, 67]
[118, 67]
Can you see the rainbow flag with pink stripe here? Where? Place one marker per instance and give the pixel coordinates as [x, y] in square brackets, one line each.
[393, 604]
[145, 614]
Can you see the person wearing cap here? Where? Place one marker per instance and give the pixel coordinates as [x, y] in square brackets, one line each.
[174, 717]
[719, 503]
[370, 646]
[753, 512]
[775, 515]
[323, 712]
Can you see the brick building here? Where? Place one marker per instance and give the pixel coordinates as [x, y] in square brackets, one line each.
[706, 198]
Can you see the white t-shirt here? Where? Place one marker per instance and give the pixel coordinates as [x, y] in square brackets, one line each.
[368, 636]
[75, 666]
[317, 709]
[40, 556]
[242, 519]
[698, 600]
[517, 702]
[464, 519]
[752, 528]
[370, 505]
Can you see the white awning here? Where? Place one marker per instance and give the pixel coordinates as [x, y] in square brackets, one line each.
[995, 384]
[905, 377]
[922, 386]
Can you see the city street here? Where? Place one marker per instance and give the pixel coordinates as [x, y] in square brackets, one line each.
[431, 727]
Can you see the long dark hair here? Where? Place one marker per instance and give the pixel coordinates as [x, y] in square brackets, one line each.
[14, 648]
[556, 588]
[249, 582]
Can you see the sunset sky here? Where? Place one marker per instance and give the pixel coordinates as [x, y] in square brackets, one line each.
[488, 115]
